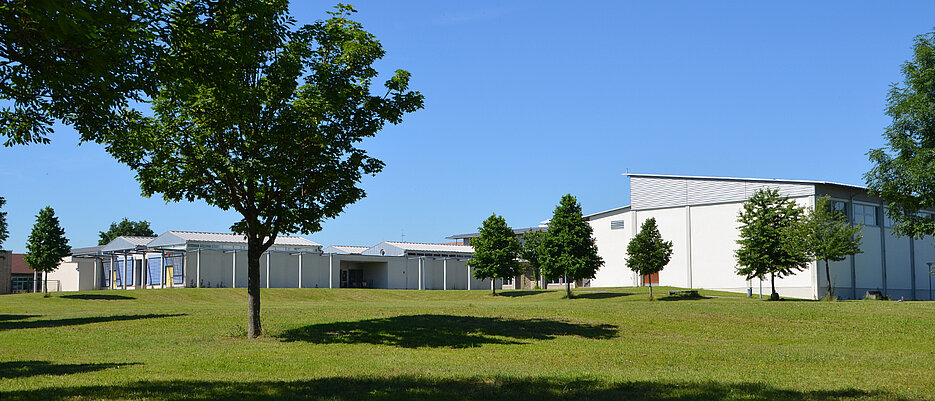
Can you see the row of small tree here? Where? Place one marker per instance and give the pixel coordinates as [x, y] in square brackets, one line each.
[566, 249]
[777, 238]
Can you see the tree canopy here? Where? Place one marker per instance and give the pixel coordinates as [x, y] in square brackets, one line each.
[495, 251]
[903, 172]
[79, 62]
[828, 236]
[568, 249]
[256, 115]
[46, 245]
[4, 232]
[647, 252]
[767, 242]
[126, 228]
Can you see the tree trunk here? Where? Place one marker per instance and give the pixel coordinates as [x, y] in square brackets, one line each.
[254, 329]
[45, 285]
[774, 296]
[567, 287]
[830, 294]
[650, 289]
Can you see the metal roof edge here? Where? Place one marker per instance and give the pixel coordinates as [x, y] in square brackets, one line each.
[777, 180]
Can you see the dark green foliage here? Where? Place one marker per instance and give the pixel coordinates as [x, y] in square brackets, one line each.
[767, 242]
[647, 252]
[4, 232]
[495, 251]
[46, 245]
[255, 115]
[126, 228]
[531, 251]
[828, 236]
[77, 61]
[904, 172]
[568, 249]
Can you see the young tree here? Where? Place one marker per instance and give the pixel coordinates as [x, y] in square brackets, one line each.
[766, 243]
[568, 249]
[126, 228]
[256, 116]
[495, 252]
[828, 236]
[904, 172]
[530, 251]
[77, 62]
[647, 252]
[46, 245]
[4, 232]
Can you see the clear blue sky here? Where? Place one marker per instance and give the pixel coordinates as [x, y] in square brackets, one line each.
[527, 101]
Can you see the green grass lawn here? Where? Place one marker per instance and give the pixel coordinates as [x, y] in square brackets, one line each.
[606, 344]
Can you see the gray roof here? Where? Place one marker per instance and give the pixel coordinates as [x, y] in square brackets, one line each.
[345, 249]
[774, 180]
[126, 243]
[86, 251]
[516, 231]
[176, 238]
[614, 210]
[393, 248]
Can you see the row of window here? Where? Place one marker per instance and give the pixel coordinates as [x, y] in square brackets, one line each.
[870, 215]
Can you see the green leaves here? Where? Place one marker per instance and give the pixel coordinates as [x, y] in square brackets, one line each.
[4, 233]
[767, 242]
[568, 248]
[126, 228]
[904, 172]
[46, 245]
[647, 252]
[495, 250]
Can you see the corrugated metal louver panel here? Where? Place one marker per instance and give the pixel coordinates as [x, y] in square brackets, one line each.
[657, 192]
[704, 192]
[617, 224]
[790, 190]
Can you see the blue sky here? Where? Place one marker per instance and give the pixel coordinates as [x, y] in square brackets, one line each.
[527, 101]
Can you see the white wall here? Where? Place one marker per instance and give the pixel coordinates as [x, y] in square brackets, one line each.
[612, 248]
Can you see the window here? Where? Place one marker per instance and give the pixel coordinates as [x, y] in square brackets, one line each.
[840, 206]
[508, 281]
[617, 224]
[865, 214]
[556, 281]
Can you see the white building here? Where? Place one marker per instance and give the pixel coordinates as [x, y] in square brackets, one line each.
[699, 215]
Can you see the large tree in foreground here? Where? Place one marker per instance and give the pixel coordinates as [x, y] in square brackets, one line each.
[46, 245]
[126, 228]
[828, 236]
[78, 62]
[647, 252]
[568, 249]
[255, 115]
[903, 173]
[495, 252]
[767, 242]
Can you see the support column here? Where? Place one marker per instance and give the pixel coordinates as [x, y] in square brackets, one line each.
[330, 270]
[113, 271]
[162, 266]
[421, 276]
[234, 269]
[267, 269]
[688, 242]
[97, 280]
[35, 281]
[300, 270]
[912, 265]
[850, 218]
[882, 252]
[124, 281]
[198, 268]
[469, 277]
[445, 274]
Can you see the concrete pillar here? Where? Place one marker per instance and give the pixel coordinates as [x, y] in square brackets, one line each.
[234, 269]
[198, 268]
[162, 266]
[330, 270]
[97, 280]
[267, 269]
[300, 270]
[469, 277]
[421, 275]
[124, 281]
[445, 274]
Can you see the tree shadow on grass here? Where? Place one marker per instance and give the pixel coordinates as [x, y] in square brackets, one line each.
[522, 293]
[102, 297]
[681, 298]
[15, 369]
[413, 331]
[33, 324]
[422, 388]
[599, 295]
[6, 318]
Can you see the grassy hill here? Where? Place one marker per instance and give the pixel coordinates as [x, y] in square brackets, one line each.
[461, 345]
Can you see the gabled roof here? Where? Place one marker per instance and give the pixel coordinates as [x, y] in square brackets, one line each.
[176, 238]
[344, 249]
[126, 243]
[393, 248]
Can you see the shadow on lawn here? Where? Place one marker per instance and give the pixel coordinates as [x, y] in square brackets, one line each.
[32, 324]
[599, 295]
[521, 293]
[15, 369]
[413, 331]
[102, 297]
[6, 318]
[681, 298]
[420, 388]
